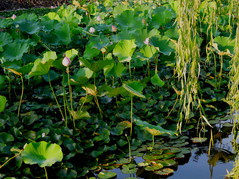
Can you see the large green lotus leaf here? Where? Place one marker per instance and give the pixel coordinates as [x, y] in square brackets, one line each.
[42, 153]
[30, 27]
[100, 64]
[63, 33]
[124, 49]
[161, 16]
[90, 51]
[107, 174]
[26, 16]
[82, 76]
[4, 23]
[165, 46]
[128, 19]
[5, 38]
[5, 137]
[53, 16]
[153, 129]
[148, 51]
[42, 66]
[134, 88]
[3, 101]
[119, 69]
[119, 9]
[225, 43]
[155, 80]
[15, 50]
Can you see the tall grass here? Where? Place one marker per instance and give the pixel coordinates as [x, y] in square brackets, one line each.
[188, 57]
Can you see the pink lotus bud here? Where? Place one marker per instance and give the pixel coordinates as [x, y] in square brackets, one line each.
[66, 61]
[146, 41]
[14, 16]
[92, 30]
[113, 28]
[144, 21]
[98, 18]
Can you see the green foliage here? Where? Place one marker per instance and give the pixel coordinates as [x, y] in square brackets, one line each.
[42, 153]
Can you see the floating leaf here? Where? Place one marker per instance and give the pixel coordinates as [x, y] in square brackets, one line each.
[155, 80]
[42, 153]
[106, 174]
[152, 157]
[198, 139]
[3, 101]
[129, 169]
[164, 171]
[154, 166]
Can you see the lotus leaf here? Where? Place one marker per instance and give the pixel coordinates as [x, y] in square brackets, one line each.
[164, 171]
[154, 166]
[162, 42]
[198, 139]
[129, 169]
[152, 157]
[225, 43]
[15, 50]
[3, 101]
[30, 27]
[153, 129]
[134, 88]
[106, 174]
[155, 80]
[5, 137]
[42, 153]
[162, 16]
[42, 66]
[167, 163]
[124, 49]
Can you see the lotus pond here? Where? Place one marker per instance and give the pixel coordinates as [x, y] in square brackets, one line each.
[121, 89]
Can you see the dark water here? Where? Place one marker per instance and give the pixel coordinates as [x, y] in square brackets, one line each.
[199, 164]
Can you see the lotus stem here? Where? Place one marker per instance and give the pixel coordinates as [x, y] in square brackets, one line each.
[45, 172]
[54, 95]
[20, 102]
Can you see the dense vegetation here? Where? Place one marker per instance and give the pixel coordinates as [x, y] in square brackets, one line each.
[111, 80]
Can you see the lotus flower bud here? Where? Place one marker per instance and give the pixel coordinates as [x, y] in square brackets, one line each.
[14, 16]
[146, 41]
[113, 28]
[66, 61]
[98, 18]
[92, 30]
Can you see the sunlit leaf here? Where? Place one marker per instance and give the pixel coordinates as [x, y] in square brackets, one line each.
[154, 166]
[198, 139]
[164, 171]
[107, 174]
[155, 80]
[90, 89]
[80, 115]
[42, 153]
[153, 129]
[134, 88]
[3, 101]
[124, 49]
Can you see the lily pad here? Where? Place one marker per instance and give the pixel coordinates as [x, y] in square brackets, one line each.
[107, 174]
[164, 171]
[42, 153]
[129, 169]
[154, 166]
[198, 139]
